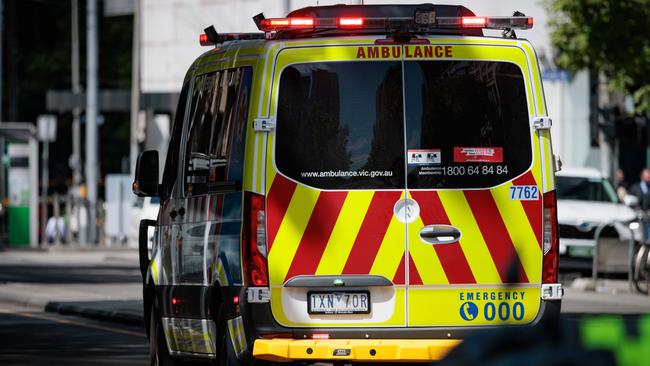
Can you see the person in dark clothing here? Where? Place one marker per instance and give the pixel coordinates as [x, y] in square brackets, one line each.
[642, 190]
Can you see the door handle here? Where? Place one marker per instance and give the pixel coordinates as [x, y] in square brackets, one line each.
[440, 234]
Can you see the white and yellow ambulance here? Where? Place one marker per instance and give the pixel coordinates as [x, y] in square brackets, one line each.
[354, 183]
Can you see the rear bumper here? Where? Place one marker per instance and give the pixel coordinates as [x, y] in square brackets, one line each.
[413, 350]
[356, 344]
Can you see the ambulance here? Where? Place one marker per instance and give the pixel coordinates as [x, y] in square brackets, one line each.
[362, 183]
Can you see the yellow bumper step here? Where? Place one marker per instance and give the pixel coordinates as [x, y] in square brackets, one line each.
[286, 350]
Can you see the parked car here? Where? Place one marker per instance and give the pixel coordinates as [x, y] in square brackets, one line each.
[143, 208]
[586, 200]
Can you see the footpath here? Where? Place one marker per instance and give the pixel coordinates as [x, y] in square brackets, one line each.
[102, 284]
[105, 284]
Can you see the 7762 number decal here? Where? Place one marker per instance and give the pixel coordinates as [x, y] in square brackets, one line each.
[524, 193]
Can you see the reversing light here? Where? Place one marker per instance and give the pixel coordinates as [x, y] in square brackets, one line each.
[320, 336]
[351, 22]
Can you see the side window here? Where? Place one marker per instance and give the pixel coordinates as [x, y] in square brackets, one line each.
[171, 163]
[215, 143]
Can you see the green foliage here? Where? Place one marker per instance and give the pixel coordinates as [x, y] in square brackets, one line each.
[612, 36]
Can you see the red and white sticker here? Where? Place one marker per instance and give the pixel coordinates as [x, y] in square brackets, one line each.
[478, 154]
[424, 157]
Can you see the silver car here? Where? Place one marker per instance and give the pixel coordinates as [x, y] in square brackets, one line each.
[585, 201]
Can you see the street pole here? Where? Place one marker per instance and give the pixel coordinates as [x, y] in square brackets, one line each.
[135, 88]
[2, 140]
[1, 74]
[76, 89]
[606, 152]
[44, 185]
[92, 168]
[76, 128]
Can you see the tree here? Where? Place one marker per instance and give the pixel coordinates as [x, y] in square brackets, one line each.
[610, 36]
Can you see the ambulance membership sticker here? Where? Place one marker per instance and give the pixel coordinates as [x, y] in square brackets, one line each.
[478, 154]
[424, 157]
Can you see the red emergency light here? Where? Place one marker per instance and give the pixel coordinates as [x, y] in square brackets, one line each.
[478, 22]
[351, 22]
[204, 40]
[421, 23]
[514, 22]
[276, 24]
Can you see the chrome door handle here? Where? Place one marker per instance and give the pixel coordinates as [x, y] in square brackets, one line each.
[440, 234]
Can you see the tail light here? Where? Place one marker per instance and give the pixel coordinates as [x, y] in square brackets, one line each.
[254, 249]
[550, 239]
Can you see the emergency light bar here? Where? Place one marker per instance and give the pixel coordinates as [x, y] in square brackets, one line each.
[421, 22]
[206, 40]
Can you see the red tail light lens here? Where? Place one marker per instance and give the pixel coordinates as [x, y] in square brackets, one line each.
[254, 241]
[550, 239]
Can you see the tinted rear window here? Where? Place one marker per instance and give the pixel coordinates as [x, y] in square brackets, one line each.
[585, 189]
[341, 124]
[467, 124]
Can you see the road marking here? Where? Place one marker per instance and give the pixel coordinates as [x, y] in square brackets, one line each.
[70, 322]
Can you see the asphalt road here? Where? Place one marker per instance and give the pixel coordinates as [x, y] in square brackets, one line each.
[71, 273]
[36, 338]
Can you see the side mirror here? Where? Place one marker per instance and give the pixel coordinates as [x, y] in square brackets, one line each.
[145, 183]
[631, 201]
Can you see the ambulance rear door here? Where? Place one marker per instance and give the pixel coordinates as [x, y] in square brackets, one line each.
[334, 177]
[474, 190]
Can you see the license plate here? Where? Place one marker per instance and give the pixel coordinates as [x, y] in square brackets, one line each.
[338, 302]
[581, 251]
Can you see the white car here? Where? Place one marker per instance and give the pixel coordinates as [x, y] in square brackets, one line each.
[586, 200]
[143, 208]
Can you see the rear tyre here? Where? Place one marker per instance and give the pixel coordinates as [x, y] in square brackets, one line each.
[642, 270]
[158, 351]
[226, 355]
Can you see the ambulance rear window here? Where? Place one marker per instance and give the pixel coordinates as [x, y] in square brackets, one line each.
[467, 123]
[342, 125]
[339, 125]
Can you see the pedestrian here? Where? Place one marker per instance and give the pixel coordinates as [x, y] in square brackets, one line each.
[55, 229]
[642, 190]
[621, 185]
